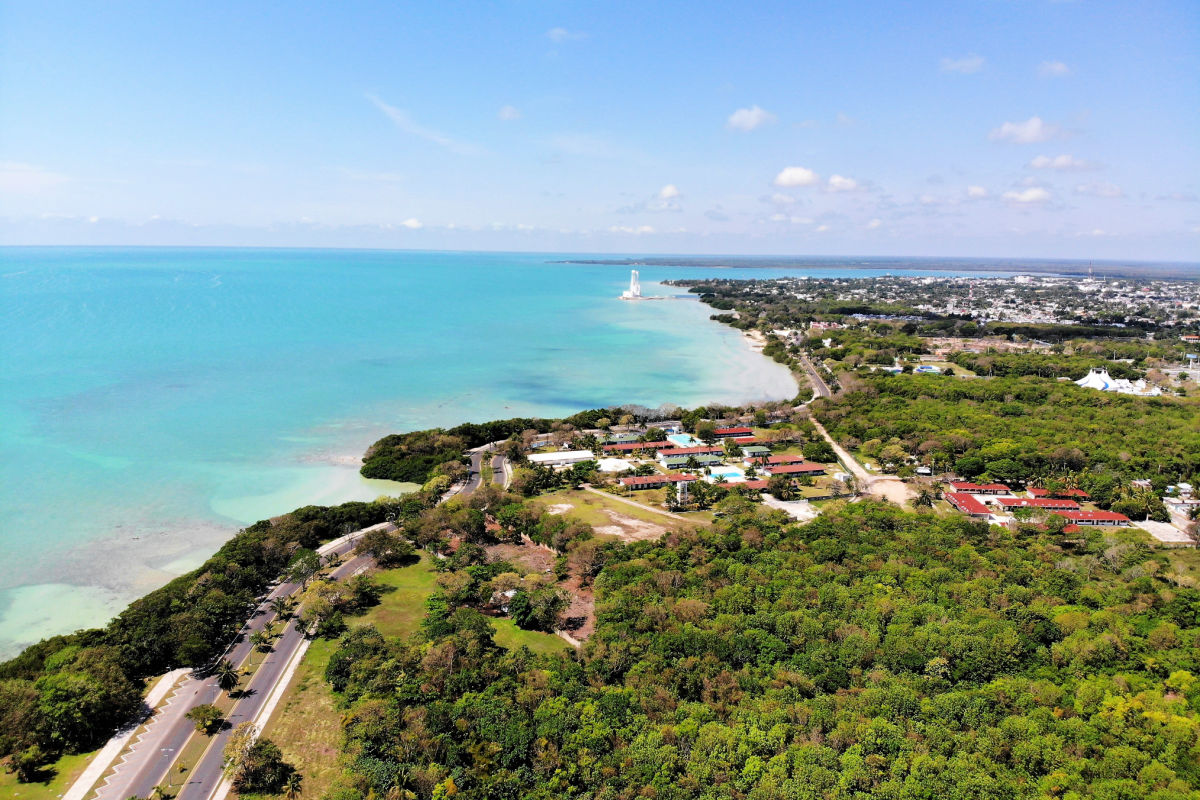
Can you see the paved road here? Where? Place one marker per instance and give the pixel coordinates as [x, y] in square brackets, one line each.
[500, 471]
[153, 755]
[206, 776]
[147, 765]
[497, 465]
[820, 388]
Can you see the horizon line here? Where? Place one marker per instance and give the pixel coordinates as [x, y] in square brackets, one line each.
[601, 253]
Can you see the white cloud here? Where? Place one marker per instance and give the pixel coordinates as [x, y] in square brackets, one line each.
[964, 66]
[873, 224]
[796, 176]
[747, 119]
[413, 224]
[560, 35]
[668, 192]
[1063, 162]
[404, 122]
[976, 192]
[822, 228]
[508, 113]
[839, 183]
[1099, 189]
[1035, 194]
[781, 199]
[1053, 69]
[794, 220]
[636, 231]
[19, 178]
[1030, 131]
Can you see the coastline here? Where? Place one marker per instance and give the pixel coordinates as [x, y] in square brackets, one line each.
[87, 587]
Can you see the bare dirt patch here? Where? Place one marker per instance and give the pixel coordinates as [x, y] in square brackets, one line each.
[559, 508]
[581, 613]
[629, 529]
[529, 557]
[892, 489]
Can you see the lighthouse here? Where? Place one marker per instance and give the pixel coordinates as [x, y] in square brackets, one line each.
[634, 292]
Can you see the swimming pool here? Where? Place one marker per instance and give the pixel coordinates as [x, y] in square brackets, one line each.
[684, 440]
[727, 475]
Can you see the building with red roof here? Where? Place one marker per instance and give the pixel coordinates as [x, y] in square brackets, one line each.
[702, 450]
[629, 447]
[655, 481]
[967, 504]
[1051, 503]
[1095, 517]
[977, 488]
[802, 468]
[734, 431]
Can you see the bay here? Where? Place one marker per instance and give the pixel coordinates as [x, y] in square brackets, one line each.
[154, 400]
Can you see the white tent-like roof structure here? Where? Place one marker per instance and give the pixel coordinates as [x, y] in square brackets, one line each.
[1098, 378]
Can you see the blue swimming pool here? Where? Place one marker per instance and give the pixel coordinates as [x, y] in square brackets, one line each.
[684, 440]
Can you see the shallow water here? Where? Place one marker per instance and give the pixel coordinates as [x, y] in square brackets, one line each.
[153, 400]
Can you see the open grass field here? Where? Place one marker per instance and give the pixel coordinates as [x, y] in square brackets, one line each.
[591, 508]
[402, 606]
[60, 776]
[308, 726]
[508, 635]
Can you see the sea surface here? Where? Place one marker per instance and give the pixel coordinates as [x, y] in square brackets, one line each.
[154, 400]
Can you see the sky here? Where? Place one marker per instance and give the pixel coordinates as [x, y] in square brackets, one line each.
[1017, 128]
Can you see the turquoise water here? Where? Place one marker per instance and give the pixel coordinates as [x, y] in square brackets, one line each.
[154, 400]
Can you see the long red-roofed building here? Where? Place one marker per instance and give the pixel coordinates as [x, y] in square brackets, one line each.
[1095, 517]
[967, 504]
[655, 481]
[1051, 503]
[978, 488]
[742, 431]
[757, 485]
[630, 447]
[703, 450]
[802, 468]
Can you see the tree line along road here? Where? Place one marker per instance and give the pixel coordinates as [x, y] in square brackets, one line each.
[151, 759]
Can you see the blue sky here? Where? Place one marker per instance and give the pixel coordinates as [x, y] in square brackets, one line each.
[973, 128]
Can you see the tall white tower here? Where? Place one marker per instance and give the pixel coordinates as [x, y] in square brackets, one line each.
[635, 287]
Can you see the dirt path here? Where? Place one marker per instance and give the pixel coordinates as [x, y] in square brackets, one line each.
[636, 504]
[886, 486]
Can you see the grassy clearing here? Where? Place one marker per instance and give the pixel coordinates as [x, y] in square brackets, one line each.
[590, 508]
[308, 726]
[402, 607]
[62, 774]
[508, 635]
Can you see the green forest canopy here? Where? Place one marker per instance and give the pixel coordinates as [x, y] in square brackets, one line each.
[871, 653]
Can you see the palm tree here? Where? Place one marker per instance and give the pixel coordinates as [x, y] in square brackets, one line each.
[261, 640]
[282, 606]
[291, 789]
[227, 675]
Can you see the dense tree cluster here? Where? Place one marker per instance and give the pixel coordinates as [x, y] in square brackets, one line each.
[68, 693]
[1018, 430]
[871, 653]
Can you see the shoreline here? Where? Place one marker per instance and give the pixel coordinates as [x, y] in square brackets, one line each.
[83, 592]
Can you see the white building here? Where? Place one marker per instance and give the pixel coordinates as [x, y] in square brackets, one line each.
[634, 292]
[1098, 378]
[563, 458]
